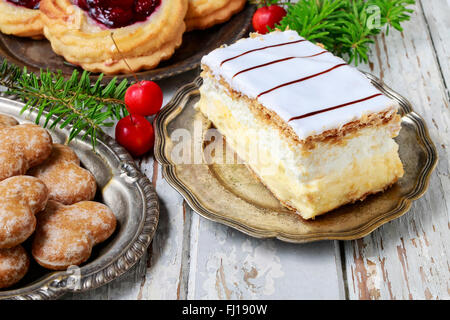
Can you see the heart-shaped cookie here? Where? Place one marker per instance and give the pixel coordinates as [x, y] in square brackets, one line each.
[66, 181]
[14, 265]
[21, 198]
[7, 121]
[22, 147]
[65, 235]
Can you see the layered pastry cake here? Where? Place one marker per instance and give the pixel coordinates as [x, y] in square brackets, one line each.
[314, 130]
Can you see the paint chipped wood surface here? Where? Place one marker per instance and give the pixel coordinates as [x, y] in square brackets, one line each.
[409, 258]
[193, 258]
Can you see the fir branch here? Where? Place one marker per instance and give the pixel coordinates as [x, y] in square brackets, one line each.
[76, 102]
[345, 27]
[9, 74]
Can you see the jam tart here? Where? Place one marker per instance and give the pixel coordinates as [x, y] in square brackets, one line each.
[114, 36]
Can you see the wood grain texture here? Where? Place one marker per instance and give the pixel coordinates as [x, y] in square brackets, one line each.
[409, 258]
[436, 14]
[231, 265]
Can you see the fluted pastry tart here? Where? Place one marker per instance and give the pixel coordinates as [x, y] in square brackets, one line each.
[203, 14]
[145, 32]
[21, 18]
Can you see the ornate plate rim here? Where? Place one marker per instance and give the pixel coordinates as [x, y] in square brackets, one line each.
[403, 206]
[54, 285]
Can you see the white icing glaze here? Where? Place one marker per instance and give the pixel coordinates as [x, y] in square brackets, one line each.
[339, 86]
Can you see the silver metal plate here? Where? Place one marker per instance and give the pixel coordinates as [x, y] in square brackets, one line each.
[125, 190]
[230, 194]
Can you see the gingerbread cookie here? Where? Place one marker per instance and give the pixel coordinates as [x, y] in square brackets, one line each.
[65, 235]
[7, 121]
[22, 147]
[14, 265]
[203, 14]
[66, 181]
[21, 198]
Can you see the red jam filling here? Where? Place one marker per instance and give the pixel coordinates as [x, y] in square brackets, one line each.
[118, 13]
[30, 4]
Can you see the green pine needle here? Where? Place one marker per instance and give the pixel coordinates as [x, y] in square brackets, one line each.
[345, 27]
[84, 106]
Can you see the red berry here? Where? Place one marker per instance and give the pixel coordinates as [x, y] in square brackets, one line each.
[82, 4]
[126, 4]
[115, 13]
[267, 17]
[112, 18]
[135, 133]
[119, 16]
[110, 3]
[30, 4]
[96, 3]
[144, 98]
[146, 7]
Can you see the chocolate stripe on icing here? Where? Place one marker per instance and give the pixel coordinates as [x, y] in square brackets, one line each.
[302, 79]
[335, 107]
[263, 48]
[279, 60]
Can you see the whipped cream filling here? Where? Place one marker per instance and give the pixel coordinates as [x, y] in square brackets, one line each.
[312, 90]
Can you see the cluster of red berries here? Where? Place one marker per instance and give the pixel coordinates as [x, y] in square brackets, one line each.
[134, 132]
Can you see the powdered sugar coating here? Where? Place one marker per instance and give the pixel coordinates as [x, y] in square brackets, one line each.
[65, 235]
[22, 147]
[14, 265]
[67, 182]
[21, 198]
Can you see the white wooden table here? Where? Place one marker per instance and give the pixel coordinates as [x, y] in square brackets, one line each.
[192, 258]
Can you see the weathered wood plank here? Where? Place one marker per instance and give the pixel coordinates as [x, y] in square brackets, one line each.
[409, 257]
[436, 15]
[226, 264]
[163, 276]
[166, 274]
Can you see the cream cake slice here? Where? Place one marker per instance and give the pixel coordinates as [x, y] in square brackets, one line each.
[314, 130]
